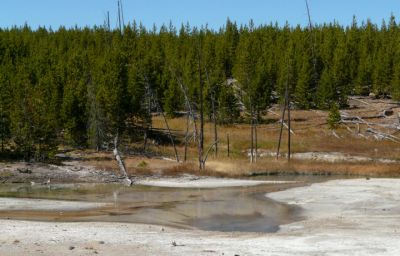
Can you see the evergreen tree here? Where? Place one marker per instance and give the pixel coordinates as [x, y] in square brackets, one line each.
[334, 117]
[77, 86]
[5, 105]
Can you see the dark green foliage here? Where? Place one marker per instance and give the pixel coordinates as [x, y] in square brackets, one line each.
[334, 117]
[83, 86]
[5, 104]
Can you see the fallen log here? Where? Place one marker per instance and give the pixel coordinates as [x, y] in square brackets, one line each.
[286, 126]
[358, 122]
[363, 117]
[273, 112]
[348, 128]
[381, 135]
[364, 102]
[335, 134]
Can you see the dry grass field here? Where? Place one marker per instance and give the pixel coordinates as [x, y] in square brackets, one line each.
[360, 138]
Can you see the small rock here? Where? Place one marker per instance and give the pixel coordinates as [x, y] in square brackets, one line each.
[71, 248]
[25, 170]
[388, 112]
[101, 242]
[127, 182]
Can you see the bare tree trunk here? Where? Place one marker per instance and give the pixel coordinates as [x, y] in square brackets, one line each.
[201, 148]
[2, 137]
[170, 136]
[255, 138]
[153, 97]
[186, 135]
[147, 106]
[281, 130]
[145, 140]
[189, 107]
[286, 105]
[252, 137]
[289, 134]
[215, 124]
[313, 42]
[120, 162]
[2, 130]
[208, 151]
[214, 114]
[166, 124]
[227, 141]
[119, 17]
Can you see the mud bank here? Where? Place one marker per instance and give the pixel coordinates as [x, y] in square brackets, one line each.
[67, 172]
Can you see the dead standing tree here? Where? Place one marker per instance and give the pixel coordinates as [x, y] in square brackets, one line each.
[253, 117]
[186, 133]
[147, 104]
[117, 155]
[214, 114]
[286, 106]
[287, 89]
[198, 134]
[202, 158]
[201, 88]
[189, 108]
[154, 99]
[253, 134]
[313, 53]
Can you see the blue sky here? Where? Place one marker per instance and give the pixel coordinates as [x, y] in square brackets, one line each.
[212, 12]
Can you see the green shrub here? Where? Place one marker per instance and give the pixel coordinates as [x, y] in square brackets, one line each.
[334, 117]
[142, 164]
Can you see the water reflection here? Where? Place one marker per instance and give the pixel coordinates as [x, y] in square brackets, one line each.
[224, 209]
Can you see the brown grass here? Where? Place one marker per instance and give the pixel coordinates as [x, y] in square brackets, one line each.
[236, 167]
[311, 135]
[302, 167]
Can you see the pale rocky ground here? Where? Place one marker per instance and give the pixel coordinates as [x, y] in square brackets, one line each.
[330, 157]
[190, 181]
[17, 204]
[342, 217]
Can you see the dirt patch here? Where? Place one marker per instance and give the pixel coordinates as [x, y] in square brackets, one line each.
[40, 173]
